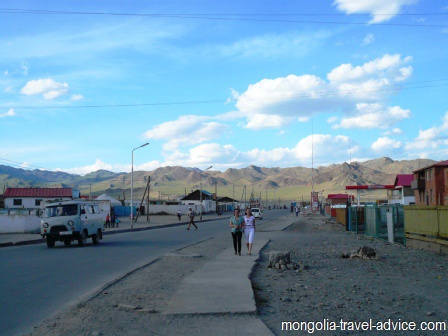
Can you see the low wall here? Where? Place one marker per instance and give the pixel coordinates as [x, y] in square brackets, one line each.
[19, 223]
[426, 227]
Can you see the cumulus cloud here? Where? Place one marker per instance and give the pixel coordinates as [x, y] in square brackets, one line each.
[385, 144]
[380, 10]
[325, 149]
[49, 88]
[274, 102]
[89, 168]
[186, 131]
[10, 113]
[373, 116]
[431, 138]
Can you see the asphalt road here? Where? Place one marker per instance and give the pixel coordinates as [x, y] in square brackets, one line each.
[37, 282]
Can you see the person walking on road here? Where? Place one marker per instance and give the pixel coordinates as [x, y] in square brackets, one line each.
[190, 215]
[249, 230]
[179, 215]
[236, 224]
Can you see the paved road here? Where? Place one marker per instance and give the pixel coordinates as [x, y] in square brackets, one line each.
[37, 282]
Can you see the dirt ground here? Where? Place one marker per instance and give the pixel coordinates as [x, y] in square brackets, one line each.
[402, 284]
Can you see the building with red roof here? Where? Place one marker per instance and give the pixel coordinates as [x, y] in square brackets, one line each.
[34, 198]
[430, 184]
[402, 192]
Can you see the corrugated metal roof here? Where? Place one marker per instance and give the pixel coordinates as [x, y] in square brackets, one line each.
[403, 180]
[437, 164]
[38, 192]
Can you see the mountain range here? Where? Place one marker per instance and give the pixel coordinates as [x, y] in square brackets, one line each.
[171, 183]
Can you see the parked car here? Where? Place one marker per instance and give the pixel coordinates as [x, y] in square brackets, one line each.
[257, 213]
[69, 221]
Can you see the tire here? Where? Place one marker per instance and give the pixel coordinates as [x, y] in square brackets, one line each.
[67, 242]
[96, 237]
[83, 239]
[50, 242]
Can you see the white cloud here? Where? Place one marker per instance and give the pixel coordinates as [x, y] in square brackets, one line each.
[381, 10]
[385, 144]
[10, 113]
[6, 73]
[258, 121]
[395, 131]
[374, 116]
[186, 131]
[300, 97]
[325, 149]
[8, 89]
[88, 169]
[431, 139]
[49, 88]
[382, 70]
[369, 39]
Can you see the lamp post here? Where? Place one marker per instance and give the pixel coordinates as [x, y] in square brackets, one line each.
[200, 191]
[132, 184]
[233, 196]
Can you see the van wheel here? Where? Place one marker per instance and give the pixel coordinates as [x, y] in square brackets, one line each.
[96, 238]
[50, 241]
[83, 239]
[67, 242]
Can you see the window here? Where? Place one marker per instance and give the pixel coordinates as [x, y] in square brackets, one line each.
[37, 202]
[17, 201]
[90, 209]
[96, 209]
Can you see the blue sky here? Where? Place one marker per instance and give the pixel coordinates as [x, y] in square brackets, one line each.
[228, 84]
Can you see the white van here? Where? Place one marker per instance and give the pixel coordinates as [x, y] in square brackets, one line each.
[257, 213]
[68, 221]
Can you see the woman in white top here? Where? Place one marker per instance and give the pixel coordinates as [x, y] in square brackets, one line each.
[249, 230]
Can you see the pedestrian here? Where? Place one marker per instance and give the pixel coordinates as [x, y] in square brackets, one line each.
[249, 230]
[112, 221]
[236, 224]
[297, 211]
[179, 215]
[190, 215]
[117, 221]
[107, 221]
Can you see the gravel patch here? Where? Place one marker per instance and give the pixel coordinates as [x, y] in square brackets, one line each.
[399, 284]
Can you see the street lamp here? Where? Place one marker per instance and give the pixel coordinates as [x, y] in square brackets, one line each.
[233, 197]
[132, 184]
[200, 191]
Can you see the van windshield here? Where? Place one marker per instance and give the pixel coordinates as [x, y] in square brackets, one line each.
[61, 210]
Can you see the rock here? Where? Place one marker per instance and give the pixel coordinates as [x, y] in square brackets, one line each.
[279, 257]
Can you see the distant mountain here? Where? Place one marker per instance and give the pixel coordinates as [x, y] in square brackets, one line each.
[175, 182]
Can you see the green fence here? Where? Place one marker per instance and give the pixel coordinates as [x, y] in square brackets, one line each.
[376, 218]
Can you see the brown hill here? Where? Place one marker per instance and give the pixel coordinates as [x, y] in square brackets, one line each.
[175, 182]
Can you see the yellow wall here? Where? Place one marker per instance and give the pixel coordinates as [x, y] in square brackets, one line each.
[426, 223]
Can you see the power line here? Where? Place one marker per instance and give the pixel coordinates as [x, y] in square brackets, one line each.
[238, 17]
[385, 88]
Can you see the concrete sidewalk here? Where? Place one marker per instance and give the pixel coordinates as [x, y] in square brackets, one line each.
[223, 286]
[155, 222]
